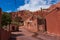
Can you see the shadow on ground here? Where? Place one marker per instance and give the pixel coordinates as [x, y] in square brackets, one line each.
[13, 36]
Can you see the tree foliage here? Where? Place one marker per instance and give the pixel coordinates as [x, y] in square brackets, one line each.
[18, 21]
[6, 19]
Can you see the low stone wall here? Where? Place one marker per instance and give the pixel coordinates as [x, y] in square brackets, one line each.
[4, 35]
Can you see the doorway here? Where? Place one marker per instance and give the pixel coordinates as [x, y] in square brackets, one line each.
[13, 28]
[45, 25]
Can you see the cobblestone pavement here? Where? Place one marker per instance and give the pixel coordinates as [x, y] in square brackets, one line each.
[23, 34]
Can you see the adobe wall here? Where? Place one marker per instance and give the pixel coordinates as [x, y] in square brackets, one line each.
[58, 22]
[53, 23]
[31, 26]
[13, 15]
[4, 35]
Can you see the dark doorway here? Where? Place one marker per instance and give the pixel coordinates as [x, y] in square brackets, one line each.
[13, 28]
[45, 25]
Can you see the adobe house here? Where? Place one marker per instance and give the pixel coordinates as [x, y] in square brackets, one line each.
[53, 20]
[34, 22]
[31, 20]
[41, 21]
[14, 24]
[31, 24]
[4, 34]
[22, 15]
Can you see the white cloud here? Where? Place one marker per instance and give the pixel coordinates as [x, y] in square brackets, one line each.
[9, 11]
[34, 5]
[58, 0]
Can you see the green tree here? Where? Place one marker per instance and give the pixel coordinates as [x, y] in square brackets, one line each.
[6, 19]
[18, 21]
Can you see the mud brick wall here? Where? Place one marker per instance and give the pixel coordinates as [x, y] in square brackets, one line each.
[31, 25]
[53, 22]
[4, 35]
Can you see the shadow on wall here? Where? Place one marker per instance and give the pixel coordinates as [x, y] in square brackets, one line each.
[14, 36]
[42, 25]
[12, 39]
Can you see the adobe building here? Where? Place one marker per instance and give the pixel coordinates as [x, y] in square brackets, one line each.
[4, 34]
[53, 20]
[31, 24]
[13, 25]
[22, 16]
[32, 20]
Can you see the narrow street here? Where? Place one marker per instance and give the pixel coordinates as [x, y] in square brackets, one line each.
[23, 34]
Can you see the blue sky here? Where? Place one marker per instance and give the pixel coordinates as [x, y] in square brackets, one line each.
[9, 5]
[32, 5]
